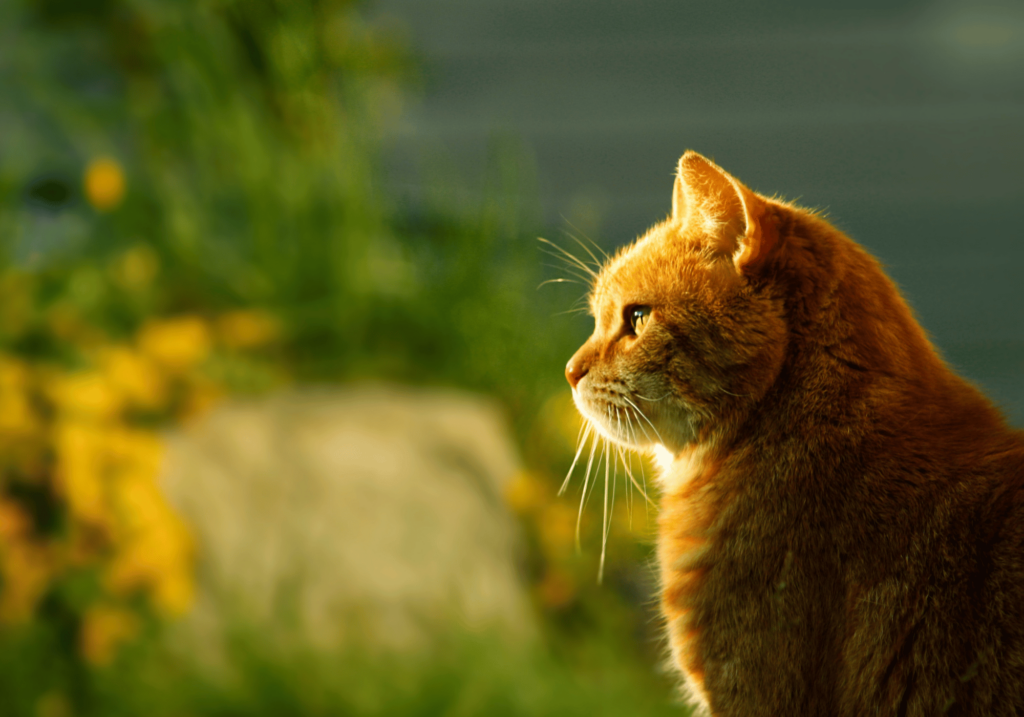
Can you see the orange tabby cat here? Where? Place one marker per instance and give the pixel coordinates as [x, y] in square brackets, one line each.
[842, 519]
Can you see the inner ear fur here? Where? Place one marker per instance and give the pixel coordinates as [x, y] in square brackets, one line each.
[708, 199]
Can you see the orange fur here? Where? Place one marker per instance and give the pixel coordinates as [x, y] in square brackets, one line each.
[842, 517]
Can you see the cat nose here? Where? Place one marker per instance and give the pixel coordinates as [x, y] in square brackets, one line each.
[576, 369]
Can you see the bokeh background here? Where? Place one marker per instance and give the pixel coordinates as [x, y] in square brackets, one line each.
[282, 414]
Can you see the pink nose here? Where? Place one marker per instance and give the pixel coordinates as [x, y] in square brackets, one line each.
[575, 370]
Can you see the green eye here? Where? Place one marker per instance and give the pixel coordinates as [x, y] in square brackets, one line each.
[638, 316]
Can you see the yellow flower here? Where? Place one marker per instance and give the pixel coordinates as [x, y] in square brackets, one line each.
[176, 344]
[135, 377]
[81, 465]
[13, 374]
[155, 554]
[174, 593]
[135, 454]
[247, 329]
[104, 629]
[158, 562]
[84, 395]
[104, 183]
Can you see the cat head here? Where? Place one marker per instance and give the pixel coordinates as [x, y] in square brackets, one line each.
[689, 333]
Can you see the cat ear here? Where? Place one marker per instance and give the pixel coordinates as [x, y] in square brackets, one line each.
[679, 198]
[708, 199]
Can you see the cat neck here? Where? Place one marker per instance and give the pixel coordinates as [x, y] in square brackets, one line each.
[682, 470]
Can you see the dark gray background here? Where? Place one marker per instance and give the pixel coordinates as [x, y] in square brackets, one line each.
[903, 120]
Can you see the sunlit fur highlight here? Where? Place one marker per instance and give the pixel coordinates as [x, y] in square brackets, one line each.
[841, 525]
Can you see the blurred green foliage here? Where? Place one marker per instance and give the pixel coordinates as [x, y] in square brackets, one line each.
[463, 676]
[249, 134]
[161, 159]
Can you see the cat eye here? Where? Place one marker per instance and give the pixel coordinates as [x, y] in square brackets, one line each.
[638, 316]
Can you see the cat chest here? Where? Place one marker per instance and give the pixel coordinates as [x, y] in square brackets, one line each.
[689, 506]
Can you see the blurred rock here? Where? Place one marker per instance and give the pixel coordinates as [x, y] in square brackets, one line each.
[368, 513]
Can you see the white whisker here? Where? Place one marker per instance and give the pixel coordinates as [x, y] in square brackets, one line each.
[581, 441]
[596, 261]
[649, 503]
[569, 268]
[642, 487]
[604, 528]
[586, 480]
[636, 484]
[629, 491]
[596, 245]
[622, 457]
[569, 257]
[625, 423]
[641, 414]
[557, 281]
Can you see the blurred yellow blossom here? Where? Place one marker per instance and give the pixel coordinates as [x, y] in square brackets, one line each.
[104, 629]
[174, 593]
[176, 344]
[104, 183]
[85, 395]
[156, 552]
[158, 563]
[247, 329]
[83, 440]
[135, 377]
[81, 464]
[557, 526]
[13, 374]
[134, 453]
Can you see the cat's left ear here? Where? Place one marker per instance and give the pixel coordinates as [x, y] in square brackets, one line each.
[708, 199]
